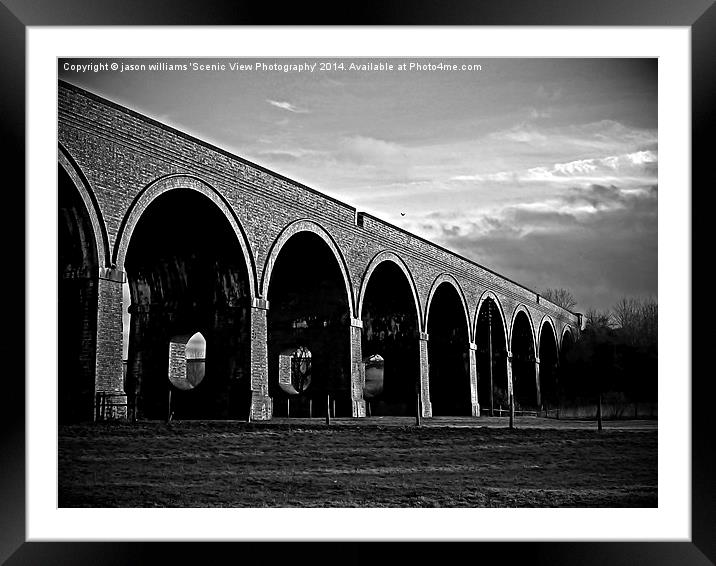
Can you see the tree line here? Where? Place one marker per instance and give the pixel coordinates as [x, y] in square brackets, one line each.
[615, 357]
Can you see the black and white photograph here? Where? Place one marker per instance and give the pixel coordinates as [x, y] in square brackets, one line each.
[422, 274]
[400, 282]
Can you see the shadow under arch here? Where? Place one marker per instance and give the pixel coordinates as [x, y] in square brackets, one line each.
[450, 280]
[79, 252]
[389, 310]
[492, 296]
[310, 307]
[448, 329]
[173, 182]
[547, 353]
[569, 386]
[382, 257]
[99, 228]
[546, 321]
[285, 235]
[523, 348]
[186, 273]
[567, 330]
[491, 355]
[521, 308]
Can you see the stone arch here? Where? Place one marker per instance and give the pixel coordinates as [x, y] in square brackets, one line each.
[186, 272]
[168, 183]
[291, 230]
[449, 279]
[379, 258]
[90, 201]
[518, 309]
[523, 352]
[546, 320]
[490, 295]
[306, 284]
[547, 356]
[451, 390]
[567, 329]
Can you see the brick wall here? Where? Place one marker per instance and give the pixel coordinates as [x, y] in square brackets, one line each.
[121, 153]
[261, 408]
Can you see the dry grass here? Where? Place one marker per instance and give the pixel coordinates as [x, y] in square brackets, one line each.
[234, 464]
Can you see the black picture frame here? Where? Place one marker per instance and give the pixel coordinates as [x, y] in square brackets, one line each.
[698, 15]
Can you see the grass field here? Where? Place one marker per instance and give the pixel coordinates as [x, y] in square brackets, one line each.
[374, 463]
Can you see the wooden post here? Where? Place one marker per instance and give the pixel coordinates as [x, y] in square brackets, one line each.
[512, 410]
[417, 403]
[510, 390]
[288, 407]
[169, 406]
[310, 408]
[328, 408]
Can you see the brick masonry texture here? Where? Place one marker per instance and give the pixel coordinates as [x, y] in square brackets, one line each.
[474, 400]
[109, 337]
[120, 153]
[427, 408]
[357, 373]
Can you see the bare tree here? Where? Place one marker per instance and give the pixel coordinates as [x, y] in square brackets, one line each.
[627, 315]
[560, 297]
[637, 320]
[598, 319]
[650, 320]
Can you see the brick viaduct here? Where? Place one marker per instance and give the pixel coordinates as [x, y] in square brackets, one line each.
[261, 265]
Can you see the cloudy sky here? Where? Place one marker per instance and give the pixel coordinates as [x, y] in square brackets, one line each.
[544, 170]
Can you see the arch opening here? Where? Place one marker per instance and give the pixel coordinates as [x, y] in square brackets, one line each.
[448, 354]
[187, 275]
[524, 377]
[78, 269]
[548, 368]
[491, 359]
[308, 323]
[391, 331]
[569, 388]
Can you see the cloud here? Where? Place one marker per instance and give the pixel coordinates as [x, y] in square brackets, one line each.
[537, 114]
[603, 136]
[499, 177]
[550, 94]
[523, 134]
[363, 149]
[638, 167]
[287, 106]
[638, 164]
[599, 242]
